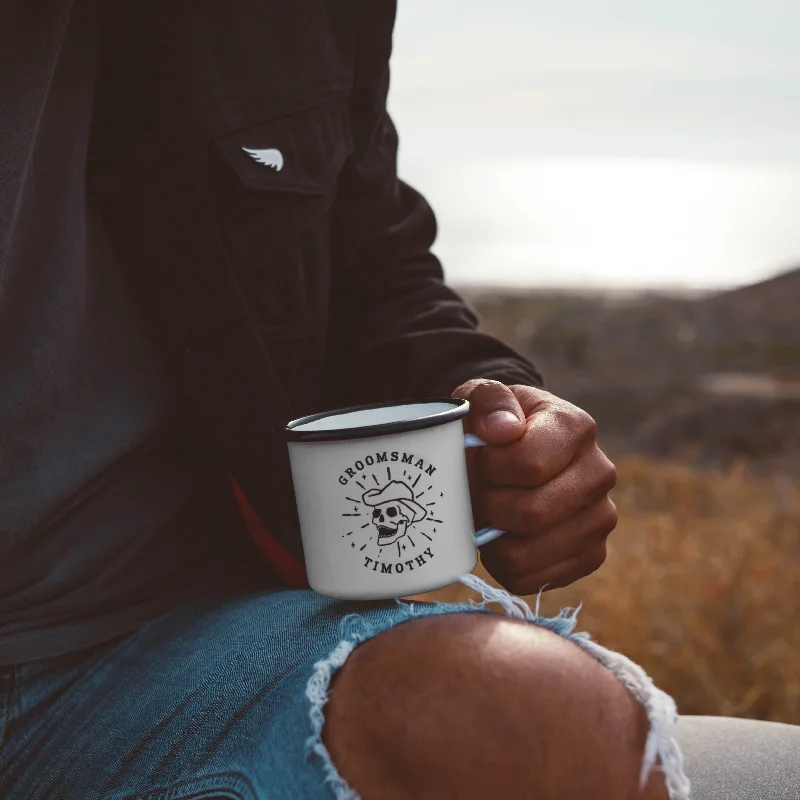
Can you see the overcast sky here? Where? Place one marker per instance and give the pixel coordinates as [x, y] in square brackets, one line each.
[698, 79]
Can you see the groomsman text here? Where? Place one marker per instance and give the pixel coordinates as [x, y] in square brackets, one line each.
[380, 458]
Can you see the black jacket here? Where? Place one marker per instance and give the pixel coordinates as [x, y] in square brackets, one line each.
[274, 293]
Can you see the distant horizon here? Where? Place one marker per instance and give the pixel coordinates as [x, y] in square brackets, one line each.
[588, 291]
[624, 224]
[608, 292]
[663, 290]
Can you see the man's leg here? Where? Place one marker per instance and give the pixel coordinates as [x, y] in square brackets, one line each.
[224, 698]
[476, 706]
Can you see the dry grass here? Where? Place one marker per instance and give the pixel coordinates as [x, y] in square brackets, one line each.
[701, 587]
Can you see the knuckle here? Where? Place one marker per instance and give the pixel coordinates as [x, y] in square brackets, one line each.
[609, 517]
[574, 419]
[565, 415]
[532, 464]
[597, 469]
[530, 514]
[613, 476]
[584, 423]
[605, 471]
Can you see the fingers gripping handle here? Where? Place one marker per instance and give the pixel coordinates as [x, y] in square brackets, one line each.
[484, 535]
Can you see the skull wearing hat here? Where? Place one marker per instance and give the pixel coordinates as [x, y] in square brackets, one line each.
[393, 510]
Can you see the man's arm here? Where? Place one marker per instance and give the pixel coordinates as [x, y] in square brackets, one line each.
[396, 330]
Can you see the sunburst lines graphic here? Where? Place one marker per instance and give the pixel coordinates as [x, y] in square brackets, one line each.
[415, 517]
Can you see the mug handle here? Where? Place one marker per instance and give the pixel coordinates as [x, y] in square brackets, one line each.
[484, 535]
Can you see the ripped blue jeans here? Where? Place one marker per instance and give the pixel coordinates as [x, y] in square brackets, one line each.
[224, 698]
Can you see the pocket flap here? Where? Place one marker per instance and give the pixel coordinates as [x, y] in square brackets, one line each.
[303, 152]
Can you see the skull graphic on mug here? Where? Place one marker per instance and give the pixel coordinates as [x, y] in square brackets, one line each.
[394, 508]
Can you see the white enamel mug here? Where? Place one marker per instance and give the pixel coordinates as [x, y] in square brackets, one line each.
[383, 498]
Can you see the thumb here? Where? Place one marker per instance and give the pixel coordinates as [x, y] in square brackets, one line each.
[495, 413]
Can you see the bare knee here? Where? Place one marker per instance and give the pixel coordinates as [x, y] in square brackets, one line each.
[475, 706]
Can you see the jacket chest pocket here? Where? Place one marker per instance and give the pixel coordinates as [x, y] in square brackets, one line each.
[272, 188]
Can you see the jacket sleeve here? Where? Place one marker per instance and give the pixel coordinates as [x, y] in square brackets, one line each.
[396, 329]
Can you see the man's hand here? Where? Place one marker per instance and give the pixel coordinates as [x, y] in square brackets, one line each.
[543, 479]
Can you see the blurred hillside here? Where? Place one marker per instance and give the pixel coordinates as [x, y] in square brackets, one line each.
[694, 396]
[707, 379]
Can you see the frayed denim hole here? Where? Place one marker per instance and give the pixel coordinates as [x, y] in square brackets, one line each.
[317, 694]
[660, 707]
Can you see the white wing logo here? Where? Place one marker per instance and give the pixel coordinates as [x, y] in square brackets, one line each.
[270, 158]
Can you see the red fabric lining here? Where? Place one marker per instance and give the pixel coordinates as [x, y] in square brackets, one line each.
[289, 569]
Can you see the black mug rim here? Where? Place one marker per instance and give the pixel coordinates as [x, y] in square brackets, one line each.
[460, 408]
